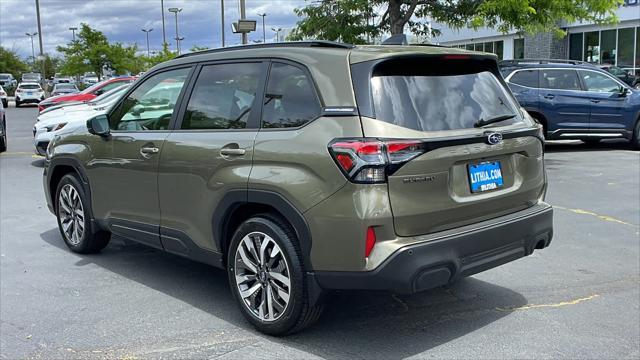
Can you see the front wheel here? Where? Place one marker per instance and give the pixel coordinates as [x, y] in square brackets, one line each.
[267, 277]
[74, 221]
[635, 140]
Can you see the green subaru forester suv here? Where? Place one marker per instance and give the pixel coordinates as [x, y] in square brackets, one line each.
[309, 166]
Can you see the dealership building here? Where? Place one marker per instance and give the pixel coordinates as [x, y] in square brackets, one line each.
[617, 44]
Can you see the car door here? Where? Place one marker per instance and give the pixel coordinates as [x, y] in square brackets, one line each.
[607, 110]
[562, 100]
[209, 154]
[124, 172]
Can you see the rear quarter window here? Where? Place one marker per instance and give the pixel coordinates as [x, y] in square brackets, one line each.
[528, 78]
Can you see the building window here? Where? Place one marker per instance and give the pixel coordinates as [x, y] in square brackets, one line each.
[488, 47]
[575, 46]
[478, 47]
[518, 48]
[592, 47]
[469, 46]
[498, 47]
[625, 47]
[608, 47]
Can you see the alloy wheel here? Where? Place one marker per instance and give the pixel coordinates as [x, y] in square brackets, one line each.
[262, 276]
[71, 214]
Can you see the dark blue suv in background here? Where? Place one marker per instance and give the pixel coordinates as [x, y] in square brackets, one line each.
[575, 100]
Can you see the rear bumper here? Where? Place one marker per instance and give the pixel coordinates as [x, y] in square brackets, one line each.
[443, 260]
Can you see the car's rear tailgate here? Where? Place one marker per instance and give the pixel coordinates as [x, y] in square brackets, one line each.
[433, 191]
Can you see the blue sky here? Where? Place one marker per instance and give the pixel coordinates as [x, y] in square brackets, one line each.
[121, 20]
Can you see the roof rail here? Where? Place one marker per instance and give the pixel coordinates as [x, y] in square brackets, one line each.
[309, 43]
[543, 61]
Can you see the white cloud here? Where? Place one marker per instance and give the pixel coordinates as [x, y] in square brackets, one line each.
[121, 20]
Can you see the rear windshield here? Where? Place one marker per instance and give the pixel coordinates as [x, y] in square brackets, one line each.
[4, 76]
[433, 103]
[29, 86]
[434, 92]
[65, 87]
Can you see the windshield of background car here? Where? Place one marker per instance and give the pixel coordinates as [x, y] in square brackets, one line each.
[65, 87]
[5, 76]
[30, 86]
[411, 98]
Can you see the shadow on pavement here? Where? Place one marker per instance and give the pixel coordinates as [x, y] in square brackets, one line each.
[359, 324]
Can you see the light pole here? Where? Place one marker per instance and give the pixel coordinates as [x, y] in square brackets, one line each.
[242, 17]
[264, 36]
[277, 31]
[40, 38]
[222, 19]
[176, 11]
[73, 32]
[147, 31]
[164, 33]
[33, 52]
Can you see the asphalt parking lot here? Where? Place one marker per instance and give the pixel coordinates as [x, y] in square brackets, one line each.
[580, 298]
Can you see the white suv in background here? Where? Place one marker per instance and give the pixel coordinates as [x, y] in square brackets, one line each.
[29, 92]
[70, 117]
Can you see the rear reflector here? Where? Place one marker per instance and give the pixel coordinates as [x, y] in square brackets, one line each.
[370, 241]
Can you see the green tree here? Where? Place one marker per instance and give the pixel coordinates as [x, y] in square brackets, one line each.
[92, 52]
[11, 63]
[51, 66]
[164, 55]
[346, 20]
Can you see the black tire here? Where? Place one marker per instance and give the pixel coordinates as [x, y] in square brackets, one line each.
[635, 140]
[298, 313]
[17, 103]
[92, 240]
[3, 142]
[5, 103]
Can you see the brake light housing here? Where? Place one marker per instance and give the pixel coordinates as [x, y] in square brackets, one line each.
[372, 160]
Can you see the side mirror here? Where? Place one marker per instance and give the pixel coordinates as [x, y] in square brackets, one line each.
[623, 91]
[137, 109]
[99, 125]
[98, 92]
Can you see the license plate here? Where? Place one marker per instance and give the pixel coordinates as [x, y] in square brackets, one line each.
[485, 176]
[29, 93]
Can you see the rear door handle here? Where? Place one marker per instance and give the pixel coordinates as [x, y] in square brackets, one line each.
[549, 96]
[231, 151]
[149, 150]
[595, 101]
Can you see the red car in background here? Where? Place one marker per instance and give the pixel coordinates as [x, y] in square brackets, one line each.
[86, 94]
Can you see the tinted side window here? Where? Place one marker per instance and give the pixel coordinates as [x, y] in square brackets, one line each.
[559, 79]
[222, 97]
[290, 100]
[150, 106]
[527, 78]
[594, 81]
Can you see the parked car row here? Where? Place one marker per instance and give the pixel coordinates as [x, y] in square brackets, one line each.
[71, 116]
[575, 100]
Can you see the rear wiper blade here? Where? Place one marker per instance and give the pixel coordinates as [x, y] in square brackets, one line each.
[484, 122]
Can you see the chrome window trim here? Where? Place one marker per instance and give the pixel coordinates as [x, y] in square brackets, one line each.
[508, 78]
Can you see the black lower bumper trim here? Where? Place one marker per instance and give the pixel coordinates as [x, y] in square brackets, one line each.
[434, 263]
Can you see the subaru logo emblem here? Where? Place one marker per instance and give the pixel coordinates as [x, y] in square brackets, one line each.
[494, 138]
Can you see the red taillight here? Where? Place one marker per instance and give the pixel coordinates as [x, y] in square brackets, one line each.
[368, 160]
[370, 241]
